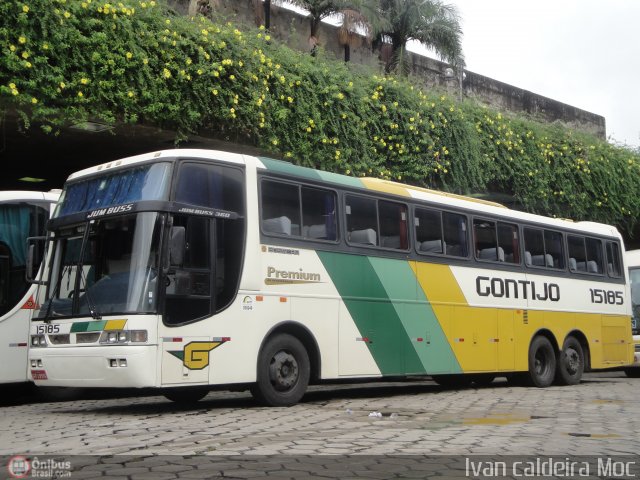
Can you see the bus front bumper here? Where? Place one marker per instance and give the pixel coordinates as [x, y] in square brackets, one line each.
[125, 366]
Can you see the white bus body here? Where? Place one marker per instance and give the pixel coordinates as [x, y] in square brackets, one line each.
[194, 268]
[22, 214]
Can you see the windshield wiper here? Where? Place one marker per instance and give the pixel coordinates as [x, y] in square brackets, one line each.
[92, 310]
[55, 293]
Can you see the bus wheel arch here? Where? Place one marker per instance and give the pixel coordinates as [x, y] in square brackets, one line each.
[284, 366]
[307, 339]
[542, 359]
[572, 359]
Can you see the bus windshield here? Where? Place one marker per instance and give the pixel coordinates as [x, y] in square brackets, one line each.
[110, 269]
[145, 182]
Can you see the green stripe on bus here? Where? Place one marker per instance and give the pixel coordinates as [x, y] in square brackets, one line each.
[418, 318]
[373, 313]
[88, 326]
[309, 173]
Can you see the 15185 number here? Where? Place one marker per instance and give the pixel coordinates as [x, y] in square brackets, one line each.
[608, 297]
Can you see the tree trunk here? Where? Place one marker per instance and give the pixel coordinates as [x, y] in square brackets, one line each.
[267, 14]
[347, 52]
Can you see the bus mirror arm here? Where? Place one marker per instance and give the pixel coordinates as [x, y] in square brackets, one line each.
[33, 265]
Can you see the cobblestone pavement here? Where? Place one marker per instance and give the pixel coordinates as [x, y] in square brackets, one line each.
[601, 416]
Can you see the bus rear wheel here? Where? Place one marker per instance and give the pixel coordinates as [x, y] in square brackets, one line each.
[283, 372]
[632, 372]
[571, 363]
[542, 362]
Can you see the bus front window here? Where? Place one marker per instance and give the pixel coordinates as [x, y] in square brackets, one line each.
[117, 273]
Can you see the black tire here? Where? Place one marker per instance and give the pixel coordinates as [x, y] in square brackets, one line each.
[186, 395]
[452, 380]
[632, 372]
[283, 372]
[570, 365]
[542, 362]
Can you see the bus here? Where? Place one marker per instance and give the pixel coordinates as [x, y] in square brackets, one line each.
[23, 214]
[633, 263]
[188, 269]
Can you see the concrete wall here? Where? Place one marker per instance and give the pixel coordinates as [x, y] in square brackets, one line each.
[293, 29]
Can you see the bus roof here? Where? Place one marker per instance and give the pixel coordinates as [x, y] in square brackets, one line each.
[367, 183]
[27, 195]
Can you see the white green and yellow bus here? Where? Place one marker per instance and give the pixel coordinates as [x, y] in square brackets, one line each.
[23, 214]
[188, 269]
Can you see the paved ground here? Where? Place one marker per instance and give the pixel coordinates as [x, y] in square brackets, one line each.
[599, 417]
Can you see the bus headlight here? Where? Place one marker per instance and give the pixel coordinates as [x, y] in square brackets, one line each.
[118, 337]
[38, 341]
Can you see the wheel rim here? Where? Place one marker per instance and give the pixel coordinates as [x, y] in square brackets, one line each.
[283, 371]
[572, 361]
[541, 364]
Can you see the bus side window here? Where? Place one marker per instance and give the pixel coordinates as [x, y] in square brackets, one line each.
[455, 234]
[280, 208]
[594, 255]
[613, 260]
[428, 224]
[5, 262]
[362, 220]
[319, 220]
[577, 253]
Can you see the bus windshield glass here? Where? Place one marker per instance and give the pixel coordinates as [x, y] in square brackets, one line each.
[145, 182]
[111, 269]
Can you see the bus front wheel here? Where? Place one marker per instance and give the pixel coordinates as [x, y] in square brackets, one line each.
[283, 372]
[571, 363]
[542, 362]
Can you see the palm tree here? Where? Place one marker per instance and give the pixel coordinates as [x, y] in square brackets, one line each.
[354, 29]
[321, 9]
[434, 24]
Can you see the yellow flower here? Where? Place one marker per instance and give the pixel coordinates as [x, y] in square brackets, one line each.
[34, 100]
[22, 40]
[12, 48]
[27, 64]
[25, 55]
[166, 73]
[130, 94]
[45, 46]
[128, 55]
[80, 94]
[145, 61]
[67, 14]
[62, 85]
[25, 9]
[84, 81]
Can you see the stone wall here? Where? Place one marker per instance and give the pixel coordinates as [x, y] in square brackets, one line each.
[293, 29]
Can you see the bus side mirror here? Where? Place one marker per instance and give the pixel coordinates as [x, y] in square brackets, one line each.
[176, 246]
[35, 249]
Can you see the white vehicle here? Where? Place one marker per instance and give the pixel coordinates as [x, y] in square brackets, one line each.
[633, 263]
[187, 269]
[23, 214]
